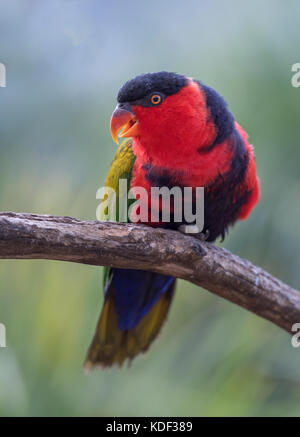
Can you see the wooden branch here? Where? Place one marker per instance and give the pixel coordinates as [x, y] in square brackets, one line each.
[30, 236]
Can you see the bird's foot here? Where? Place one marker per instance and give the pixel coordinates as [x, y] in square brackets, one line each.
[203, 236]
[193, 230]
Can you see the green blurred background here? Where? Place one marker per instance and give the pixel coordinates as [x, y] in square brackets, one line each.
[65, 62]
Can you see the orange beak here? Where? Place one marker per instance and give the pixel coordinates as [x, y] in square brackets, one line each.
[123, 119]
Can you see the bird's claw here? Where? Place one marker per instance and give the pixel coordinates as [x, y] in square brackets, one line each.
[193, 230]
[202, 236]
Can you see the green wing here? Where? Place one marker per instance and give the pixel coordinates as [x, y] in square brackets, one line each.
[121, 168]
[112, 345]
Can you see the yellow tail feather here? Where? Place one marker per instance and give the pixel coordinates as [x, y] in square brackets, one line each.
[112, 346]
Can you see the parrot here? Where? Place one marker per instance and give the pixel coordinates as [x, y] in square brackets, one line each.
[175, 131]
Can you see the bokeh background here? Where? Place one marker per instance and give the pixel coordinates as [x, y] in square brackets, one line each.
[65, 62]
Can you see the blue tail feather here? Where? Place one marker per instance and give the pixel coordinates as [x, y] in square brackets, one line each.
[136, 291]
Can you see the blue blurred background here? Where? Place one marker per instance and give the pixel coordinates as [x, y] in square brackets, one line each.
[65, 62]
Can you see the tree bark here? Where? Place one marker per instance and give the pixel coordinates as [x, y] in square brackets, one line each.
[32, 236]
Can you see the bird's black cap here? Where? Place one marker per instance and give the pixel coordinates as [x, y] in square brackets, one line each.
[144, 84]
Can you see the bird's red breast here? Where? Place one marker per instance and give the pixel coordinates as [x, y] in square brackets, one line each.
[191, 139]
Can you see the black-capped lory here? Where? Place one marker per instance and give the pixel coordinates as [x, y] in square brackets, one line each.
[179, 132]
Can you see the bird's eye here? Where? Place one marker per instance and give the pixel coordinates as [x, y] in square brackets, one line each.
[155, 99]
